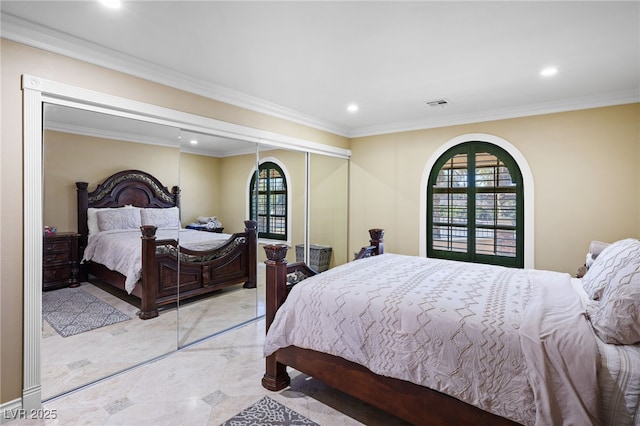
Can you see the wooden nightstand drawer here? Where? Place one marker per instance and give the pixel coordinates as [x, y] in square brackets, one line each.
[56, 273]
[49, 258]
[60, 260]
[57, 246]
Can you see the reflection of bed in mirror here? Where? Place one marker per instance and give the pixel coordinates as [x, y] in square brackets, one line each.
[130, 222]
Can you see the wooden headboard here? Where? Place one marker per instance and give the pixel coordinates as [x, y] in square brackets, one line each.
[128, 187]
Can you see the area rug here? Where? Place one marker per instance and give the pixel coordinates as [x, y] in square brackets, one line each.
[268, 412]
[72, 310]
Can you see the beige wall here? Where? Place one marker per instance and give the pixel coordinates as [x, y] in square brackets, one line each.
[233, 207]
[199, 187]
[72, 158]
[585, 171]
[17, 60]
[329, 177]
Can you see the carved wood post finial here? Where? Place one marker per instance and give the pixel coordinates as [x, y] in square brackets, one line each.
[376, 234]
[377, 239]
[148, 231]
[276, 252]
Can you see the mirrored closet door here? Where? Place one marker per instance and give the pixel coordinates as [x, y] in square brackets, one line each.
[111, 166]
[90, 325]
[215, 176]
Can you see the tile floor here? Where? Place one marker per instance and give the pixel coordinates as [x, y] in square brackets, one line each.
[203, 384]
[69, 362]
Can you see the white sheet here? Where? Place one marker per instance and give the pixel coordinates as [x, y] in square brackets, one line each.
[121, 250]
[618, 377]
[561, 354]
[451, 326]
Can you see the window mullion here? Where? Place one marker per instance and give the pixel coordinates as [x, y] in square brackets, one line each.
[471, 201]
[450, 209]
[496, 183]
[268, 197]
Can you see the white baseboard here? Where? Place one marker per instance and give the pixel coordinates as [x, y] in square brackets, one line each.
[10, 410]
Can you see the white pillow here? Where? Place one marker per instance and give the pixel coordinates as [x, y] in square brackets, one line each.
[161, 218]
[616, 317]
[614, 257]
[111, 219]
[92, 217]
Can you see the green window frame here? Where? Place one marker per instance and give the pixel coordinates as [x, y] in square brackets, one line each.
[475, 205]
[269, 200]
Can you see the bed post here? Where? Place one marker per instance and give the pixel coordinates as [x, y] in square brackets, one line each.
[175, 191]
[376, 247]
[377, 239]
[148, 308]
[83, 227]
[275, 377]
[250, 229]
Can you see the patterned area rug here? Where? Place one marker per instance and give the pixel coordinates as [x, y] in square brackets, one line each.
[72, 310]
[268, 412]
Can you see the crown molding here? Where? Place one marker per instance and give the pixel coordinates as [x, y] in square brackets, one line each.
[34, 35]
[564, 105]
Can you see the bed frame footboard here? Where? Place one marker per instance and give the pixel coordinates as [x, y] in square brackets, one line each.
[168, 269]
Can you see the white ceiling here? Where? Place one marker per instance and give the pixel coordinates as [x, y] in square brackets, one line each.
[306, 61]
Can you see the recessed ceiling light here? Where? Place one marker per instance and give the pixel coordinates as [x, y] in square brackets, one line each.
[112, 4]
[352, 108]
[193, 142]
[549, 71]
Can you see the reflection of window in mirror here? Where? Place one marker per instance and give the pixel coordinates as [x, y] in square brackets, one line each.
[269, 201]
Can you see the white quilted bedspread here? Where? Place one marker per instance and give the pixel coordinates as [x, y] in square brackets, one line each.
[121, 250]
[451, 326]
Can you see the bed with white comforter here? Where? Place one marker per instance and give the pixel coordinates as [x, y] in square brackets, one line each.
[120, 249]
[514, 342]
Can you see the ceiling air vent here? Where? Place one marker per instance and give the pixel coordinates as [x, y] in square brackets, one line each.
[438, 103]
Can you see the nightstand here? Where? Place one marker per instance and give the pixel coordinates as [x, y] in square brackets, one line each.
[60, 260]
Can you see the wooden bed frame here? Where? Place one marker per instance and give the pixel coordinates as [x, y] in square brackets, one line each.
[416, 404]
[200, 272]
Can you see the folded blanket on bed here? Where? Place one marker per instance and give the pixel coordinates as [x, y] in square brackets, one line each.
[209, 221]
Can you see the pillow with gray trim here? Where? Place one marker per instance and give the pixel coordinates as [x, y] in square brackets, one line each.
[616, 317]
[614, 257]
[161, 218]
[112, 219]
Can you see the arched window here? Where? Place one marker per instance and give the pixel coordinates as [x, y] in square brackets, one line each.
[475, 206]
[269, 201]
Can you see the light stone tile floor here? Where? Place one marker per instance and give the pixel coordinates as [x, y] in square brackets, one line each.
[203, 384]
[73, 361]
